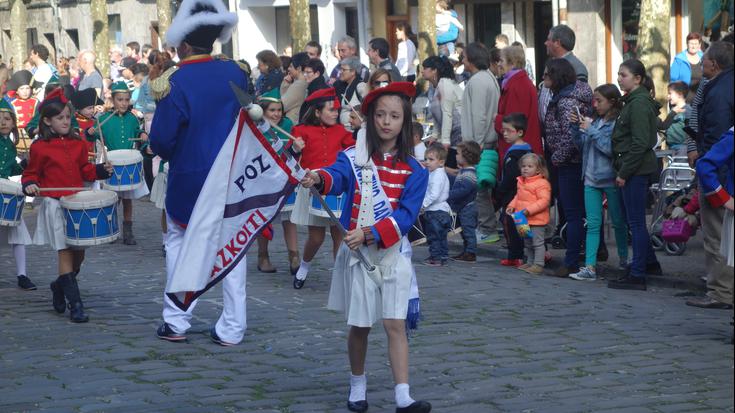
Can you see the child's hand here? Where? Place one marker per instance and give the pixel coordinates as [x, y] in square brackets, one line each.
[108, 167]
[730, 204]
[32, 190]
[310, 179]
[148, 150]
[525, 212]
[91, 131]
[510, 210]
[355, 238]
[586, 123]
[298, 145]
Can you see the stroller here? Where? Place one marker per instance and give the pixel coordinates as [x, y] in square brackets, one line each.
[676, 182]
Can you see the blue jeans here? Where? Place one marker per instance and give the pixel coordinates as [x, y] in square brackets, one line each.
[635, 193]
[571, 192]
[436, 226]
[468, 220]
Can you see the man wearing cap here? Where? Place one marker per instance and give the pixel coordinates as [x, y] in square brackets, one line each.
[194, 115]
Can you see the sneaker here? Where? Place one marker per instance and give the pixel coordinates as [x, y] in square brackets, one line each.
[433, 262]
[524, 266]
[165, 332]
[511, 263]
[707, 302]
[534, 269]
[584, 274]
[215, 338]
[466, 257]
[628, 282]
[25, 283]
[488, 238]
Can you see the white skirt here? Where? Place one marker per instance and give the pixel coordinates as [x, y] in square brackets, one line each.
[50, 225]
[359, 297]
[158, 190]
[15, 235]
[137, 193]
[726, 241]
[301, 215]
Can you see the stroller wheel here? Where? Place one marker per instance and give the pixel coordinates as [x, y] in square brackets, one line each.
[675, 248]
[558, 243]
[657, 242]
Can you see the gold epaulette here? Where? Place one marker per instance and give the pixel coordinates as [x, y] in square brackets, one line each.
[242, 65]
[161, 86]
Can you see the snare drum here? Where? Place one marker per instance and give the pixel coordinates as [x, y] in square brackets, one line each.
[91, 218]
[335, 203]
[127, 174]
[11, 208]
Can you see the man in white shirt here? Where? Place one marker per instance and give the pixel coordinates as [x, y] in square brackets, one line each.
[43, 71]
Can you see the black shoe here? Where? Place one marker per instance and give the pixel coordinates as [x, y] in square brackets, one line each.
[58, 297]
[628, 282]
[654, 269]
[69, 286]
[297, 284]
[360, 406]
[165, 332]
[564, 271]
[25, 283]
[707, 302]
[215, 338]
[418, 406]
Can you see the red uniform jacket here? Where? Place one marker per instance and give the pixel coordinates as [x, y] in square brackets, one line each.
[24, 110]
[84, 124]
[60, 162]
[519, 96]
[321, 145]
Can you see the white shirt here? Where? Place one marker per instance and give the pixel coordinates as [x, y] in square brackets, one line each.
[444, 19]
[419, 151]
[437, 192]
[406, 57]
[43, 74]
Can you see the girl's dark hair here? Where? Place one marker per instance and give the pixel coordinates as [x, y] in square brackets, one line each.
[14, 130]
[441, 65]
[636, 68]
[310, 117]
[49, 110]
[517, 120]
[612, 94]
[404, 143]
[561, 73]
[410, 35]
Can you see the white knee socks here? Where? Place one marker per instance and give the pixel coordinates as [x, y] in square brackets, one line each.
[303, 272]
[19, 251]
[402, 397]
[358, 387]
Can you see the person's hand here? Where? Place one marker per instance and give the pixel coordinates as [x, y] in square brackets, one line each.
[288, 79]
[620, 182]
[678, 213]
[108, 167]
[99, 109]
[298, 145]
[354, 238]
[692, 158]
[573, 117]
[677, 109]
[143, 137]
[729, 204]
[510, 210]
[148, 150]
[310, 179]
[91, 131]
[525, 212]
[585, 123]
[32, 190]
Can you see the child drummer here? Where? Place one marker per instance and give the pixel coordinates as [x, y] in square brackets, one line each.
[86, 105]
[58, 159]
[124, 131]
[389, 176]
[17, 236]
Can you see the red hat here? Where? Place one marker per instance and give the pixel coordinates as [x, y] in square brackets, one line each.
[56, 95]
[404, 89]
[323, 95]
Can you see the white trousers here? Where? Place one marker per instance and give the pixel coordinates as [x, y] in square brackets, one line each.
[232, 322]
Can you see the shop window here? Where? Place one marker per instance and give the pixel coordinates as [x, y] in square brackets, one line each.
[631, 14]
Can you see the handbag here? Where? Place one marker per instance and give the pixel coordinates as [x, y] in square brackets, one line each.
[676, 230]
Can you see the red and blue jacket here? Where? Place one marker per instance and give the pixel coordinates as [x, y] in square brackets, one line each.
[713, 167]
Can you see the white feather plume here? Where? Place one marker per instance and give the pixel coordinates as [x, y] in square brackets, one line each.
[185, 22]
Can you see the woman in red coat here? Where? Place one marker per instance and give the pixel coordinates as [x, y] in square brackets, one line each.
[518, 96]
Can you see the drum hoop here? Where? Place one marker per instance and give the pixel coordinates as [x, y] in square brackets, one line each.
[121, 157]
[8, 187]
[111, 199]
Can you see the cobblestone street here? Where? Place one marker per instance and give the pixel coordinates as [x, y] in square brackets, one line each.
[492, 340]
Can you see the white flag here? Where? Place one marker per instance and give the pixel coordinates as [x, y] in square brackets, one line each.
[245, 189]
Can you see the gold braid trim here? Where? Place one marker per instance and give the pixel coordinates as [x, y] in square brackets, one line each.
[161, 86]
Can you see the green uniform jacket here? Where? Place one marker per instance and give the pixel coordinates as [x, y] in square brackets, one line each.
[634, 135]
[119, 131]
[286, 125]
[8, 164]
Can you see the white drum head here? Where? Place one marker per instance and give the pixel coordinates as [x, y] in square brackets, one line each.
[124, 157]
[9, 187]
[89, 199]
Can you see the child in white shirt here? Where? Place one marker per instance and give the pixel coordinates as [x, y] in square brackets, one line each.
[437, 219]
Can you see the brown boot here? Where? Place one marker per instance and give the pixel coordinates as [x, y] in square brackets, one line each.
[264, 264]
[294, 261]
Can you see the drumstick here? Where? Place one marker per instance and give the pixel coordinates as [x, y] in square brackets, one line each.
[63, 189]
[102, 137]
[279, 129]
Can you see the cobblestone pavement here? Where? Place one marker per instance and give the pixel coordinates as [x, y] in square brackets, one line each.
[493, 340]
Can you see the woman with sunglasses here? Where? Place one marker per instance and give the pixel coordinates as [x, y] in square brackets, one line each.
[379, 78]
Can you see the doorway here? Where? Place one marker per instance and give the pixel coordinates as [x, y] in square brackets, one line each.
[487, 23]
[543, 21]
